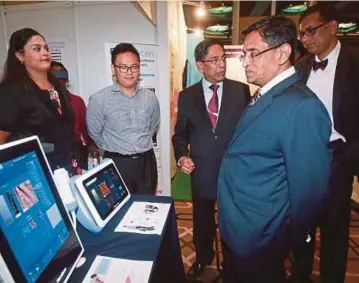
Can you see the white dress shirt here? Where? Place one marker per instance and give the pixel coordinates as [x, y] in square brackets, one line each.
[321, 82]
[276, 80]
[208, 93]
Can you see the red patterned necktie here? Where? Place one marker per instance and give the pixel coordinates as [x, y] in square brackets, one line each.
[213, 105]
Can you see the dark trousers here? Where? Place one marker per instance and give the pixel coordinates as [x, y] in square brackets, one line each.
[204, 228]
[334, 231]
[139, 171]
[266, 269]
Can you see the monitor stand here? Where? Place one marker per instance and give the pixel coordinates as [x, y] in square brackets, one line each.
[81, 262]
[84, 216]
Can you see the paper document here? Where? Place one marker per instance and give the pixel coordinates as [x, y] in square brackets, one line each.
[118, 270]
[144, 218]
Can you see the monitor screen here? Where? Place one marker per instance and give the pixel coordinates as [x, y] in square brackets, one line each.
[106, 190]
[40, 240]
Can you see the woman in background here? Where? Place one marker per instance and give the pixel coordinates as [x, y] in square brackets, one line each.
[32, 102]
[82, 141]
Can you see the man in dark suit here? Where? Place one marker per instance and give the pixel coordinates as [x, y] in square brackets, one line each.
[274, 174]
[331, 73]
[208, 113]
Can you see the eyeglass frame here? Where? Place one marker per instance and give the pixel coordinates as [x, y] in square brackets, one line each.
[309, 31]
[215, 60]
[254, 56]
[127, 68]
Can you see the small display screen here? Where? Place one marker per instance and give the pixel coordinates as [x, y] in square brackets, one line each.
[106, 190]
[29, 216]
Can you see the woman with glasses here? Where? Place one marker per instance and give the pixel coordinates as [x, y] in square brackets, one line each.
[123, 118]
[32, 102]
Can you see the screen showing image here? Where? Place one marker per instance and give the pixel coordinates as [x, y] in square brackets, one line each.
[29, 216]
[106, 190]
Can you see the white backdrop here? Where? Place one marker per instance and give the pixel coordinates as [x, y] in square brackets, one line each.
[84, 27]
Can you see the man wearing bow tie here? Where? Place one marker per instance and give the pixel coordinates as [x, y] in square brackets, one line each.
[208, 113]
[331, 73]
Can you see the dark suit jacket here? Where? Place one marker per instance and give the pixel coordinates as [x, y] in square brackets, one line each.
[274, 175]
[194, 129]
[345, 99]
[31, 112]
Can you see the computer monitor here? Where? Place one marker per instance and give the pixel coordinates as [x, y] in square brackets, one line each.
[37, 240]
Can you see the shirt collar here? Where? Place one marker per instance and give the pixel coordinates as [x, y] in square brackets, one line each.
[333, 55]
[276, 80]
[206, 84]
[116, 88]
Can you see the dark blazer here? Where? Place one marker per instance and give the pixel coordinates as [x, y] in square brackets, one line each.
[193, 130]
[274, 174]
[31, 112]
[345, 99]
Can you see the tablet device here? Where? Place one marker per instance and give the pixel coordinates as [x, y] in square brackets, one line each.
[37, 240]
[103, 191]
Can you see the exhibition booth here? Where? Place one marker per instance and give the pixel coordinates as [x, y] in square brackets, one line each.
[84, 229]
[89, 228]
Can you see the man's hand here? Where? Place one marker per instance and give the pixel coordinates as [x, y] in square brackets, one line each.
[186, 164]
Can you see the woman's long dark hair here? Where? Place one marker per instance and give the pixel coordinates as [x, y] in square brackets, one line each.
[14, 71]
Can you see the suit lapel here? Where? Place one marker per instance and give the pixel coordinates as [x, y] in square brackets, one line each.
[226, 105]
[200, 104]
[253, 112]
[306, 68]
[340, 73]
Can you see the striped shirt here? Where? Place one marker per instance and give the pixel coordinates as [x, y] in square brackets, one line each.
[121, 123]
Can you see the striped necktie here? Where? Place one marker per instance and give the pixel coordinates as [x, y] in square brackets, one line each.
[255, 97]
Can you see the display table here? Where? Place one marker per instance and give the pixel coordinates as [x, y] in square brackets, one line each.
[163, 250]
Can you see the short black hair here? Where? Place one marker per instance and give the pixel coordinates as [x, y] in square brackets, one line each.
[201, 50]
[276, 30]
[123, 48]
[327, 12]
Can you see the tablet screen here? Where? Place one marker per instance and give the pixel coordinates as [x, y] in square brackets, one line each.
[106, 190]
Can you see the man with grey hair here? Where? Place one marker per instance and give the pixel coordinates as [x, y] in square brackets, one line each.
[208, 113]
[274, 174]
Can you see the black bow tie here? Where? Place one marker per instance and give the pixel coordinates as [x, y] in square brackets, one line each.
[319, 65]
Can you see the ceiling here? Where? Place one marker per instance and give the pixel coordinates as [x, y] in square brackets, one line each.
[348, 12]
[12, 3]
[195, 22]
